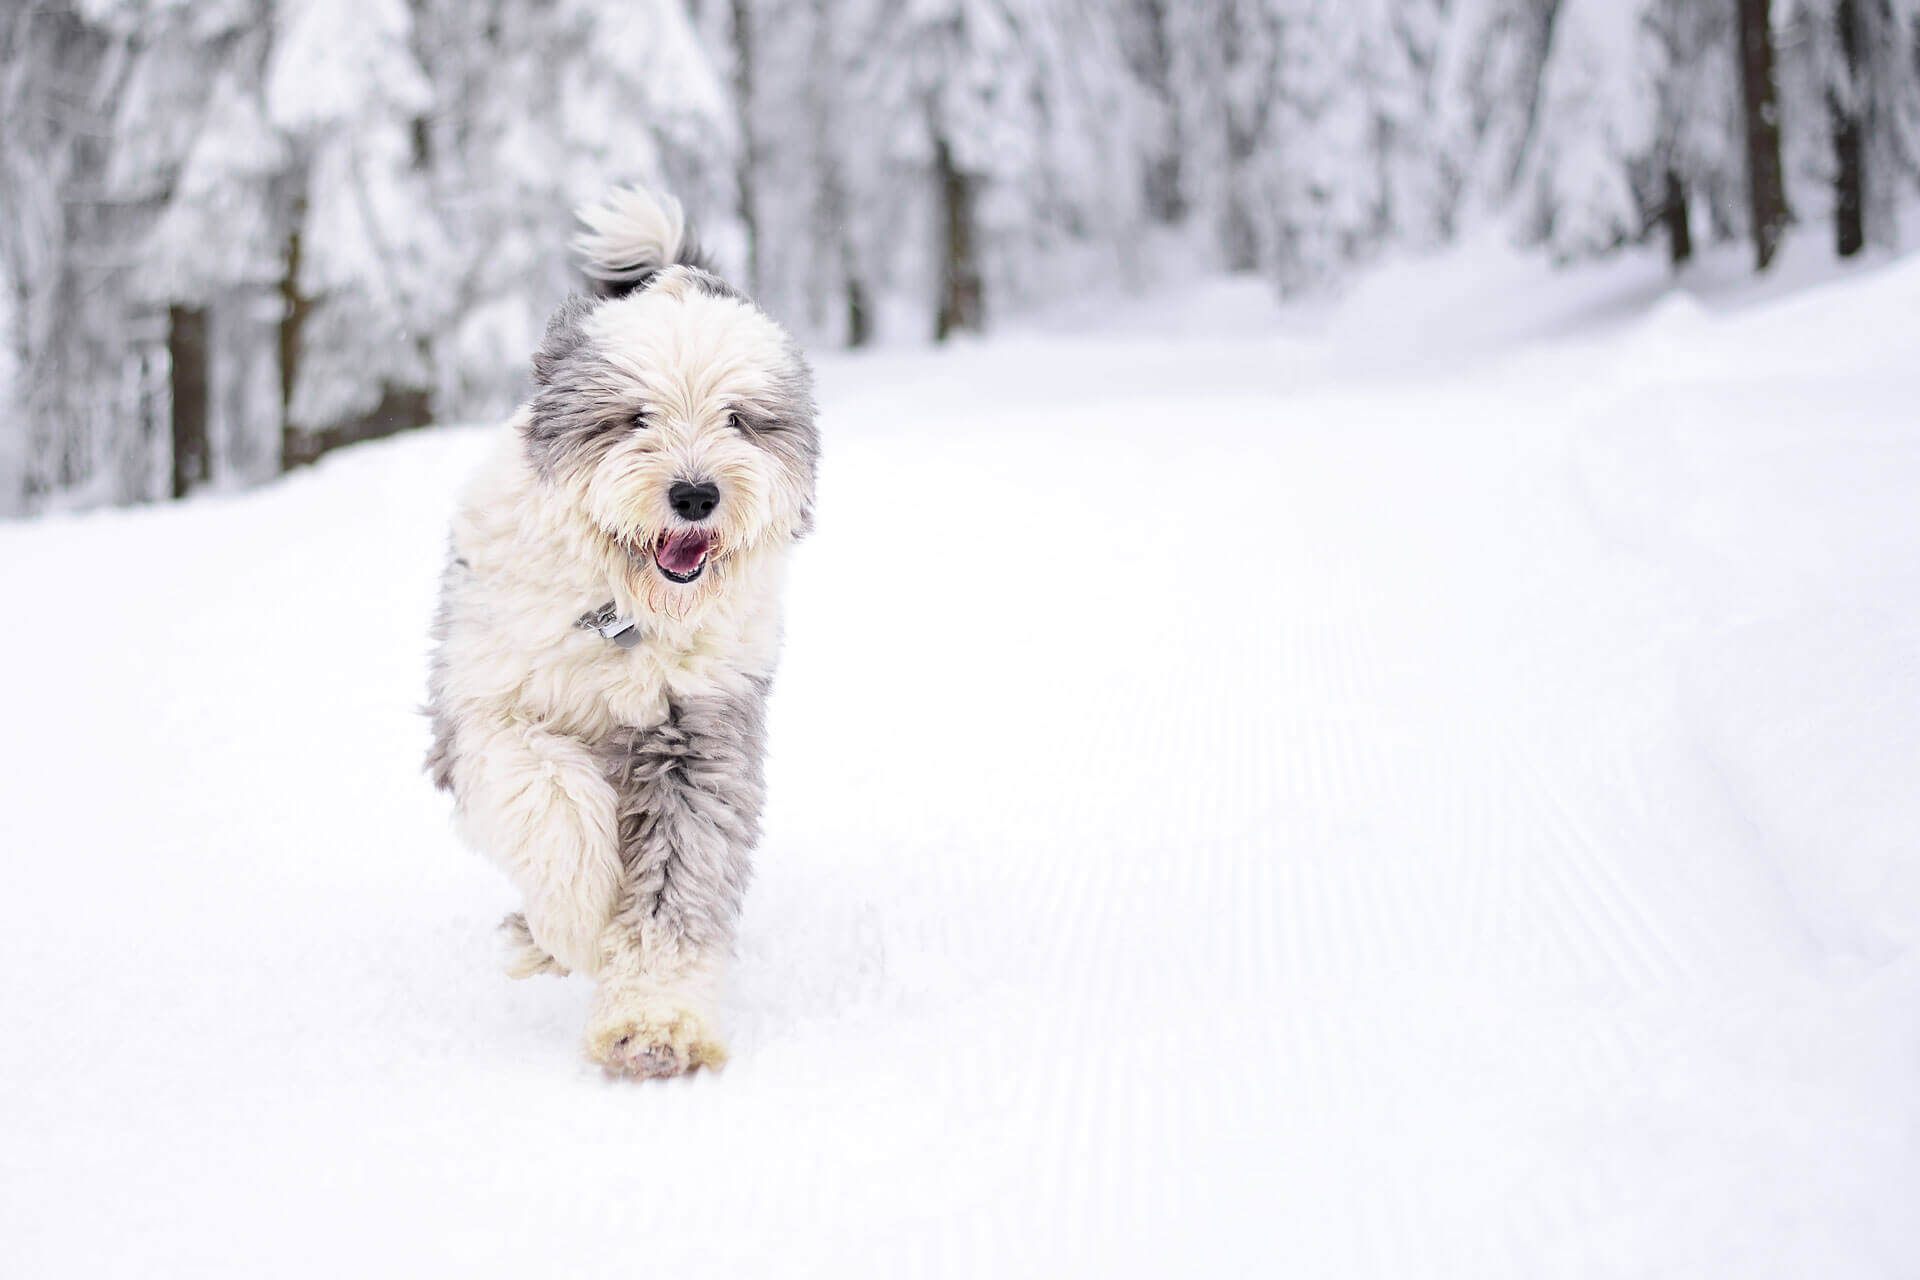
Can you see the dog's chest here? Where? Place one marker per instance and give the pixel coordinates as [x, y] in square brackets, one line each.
[591, 686]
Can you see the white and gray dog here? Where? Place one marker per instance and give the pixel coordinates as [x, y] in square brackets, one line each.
[608, 627]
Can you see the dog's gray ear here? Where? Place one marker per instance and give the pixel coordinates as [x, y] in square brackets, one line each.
[566, 334]
[576, 409]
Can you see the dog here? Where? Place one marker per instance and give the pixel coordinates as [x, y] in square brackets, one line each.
[608, 626]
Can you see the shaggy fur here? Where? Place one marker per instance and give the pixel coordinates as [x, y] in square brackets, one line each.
[619, 784]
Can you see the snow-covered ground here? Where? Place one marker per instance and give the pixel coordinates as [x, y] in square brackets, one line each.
[1397, 799]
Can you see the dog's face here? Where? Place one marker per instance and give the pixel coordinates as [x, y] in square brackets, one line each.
[679, 421]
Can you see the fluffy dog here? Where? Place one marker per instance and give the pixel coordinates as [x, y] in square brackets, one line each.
[608, 626]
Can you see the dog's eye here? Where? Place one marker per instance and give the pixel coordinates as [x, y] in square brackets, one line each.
[734, 421]
[641, 420]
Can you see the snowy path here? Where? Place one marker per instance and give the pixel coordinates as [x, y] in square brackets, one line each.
[1234, 813]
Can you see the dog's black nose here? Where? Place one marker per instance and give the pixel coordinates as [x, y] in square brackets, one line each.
[693, 501]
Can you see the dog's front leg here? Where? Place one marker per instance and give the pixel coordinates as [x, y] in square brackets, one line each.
[539, 804]
[689, 793]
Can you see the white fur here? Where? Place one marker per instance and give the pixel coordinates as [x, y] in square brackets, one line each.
[543, 728]
[631, 230]
[525, 687]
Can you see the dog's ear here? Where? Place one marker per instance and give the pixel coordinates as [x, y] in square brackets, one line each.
[577, 408]
[566, 334]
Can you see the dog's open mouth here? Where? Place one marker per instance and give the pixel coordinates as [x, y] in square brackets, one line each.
[681, 556]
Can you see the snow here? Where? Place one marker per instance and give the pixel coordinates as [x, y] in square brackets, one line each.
[1246, 799]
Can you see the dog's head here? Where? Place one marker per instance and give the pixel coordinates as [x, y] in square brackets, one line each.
[672, 412]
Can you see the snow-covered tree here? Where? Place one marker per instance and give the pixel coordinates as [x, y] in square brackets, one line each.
[1638, 126]
[1853, 69]
[1492, 55]
[368, 261]
[971, 89]
[85, 178]
[1597, 128]
[1322, 174]
[1310, 130]
[1420, 173]
[946, 156]
[234, 233]
[212, 259]
[1144, 29]
[1698, 163]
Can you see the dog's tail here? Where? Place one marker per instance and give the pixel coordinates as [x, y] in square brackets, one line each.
[630, 236]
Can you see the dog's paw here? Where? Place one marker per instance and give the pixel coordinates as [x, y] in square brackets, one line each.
[524, 957]
[648, 1035]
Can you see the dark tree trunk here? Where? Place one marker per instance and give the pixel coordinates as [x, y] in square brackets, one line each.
[1242, 242]
[187, 354]
[859, 314]
[1677, 215]
[1849, 141]
[961, 292]
[1165, 201]
[1766, 187]
[293, 314]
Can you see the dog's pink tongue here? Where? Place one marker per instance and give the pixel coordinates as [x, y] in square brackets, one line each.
[683, 551]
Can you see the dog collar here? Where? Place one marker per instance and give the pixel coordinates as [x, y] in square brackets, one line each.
[624, 632]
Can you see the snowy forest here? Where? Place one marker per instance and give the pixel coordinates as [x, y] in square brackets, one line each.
[235, 234]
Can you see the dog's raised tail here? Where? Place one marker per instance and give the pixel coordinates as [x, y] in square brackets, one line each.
[630, 235]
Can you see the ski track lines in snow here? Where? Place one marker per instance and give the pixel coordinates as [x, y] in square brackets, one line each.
[1229, 816]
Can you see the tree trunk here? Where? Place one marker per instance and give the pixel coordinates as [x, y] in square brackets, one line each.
[293, 314]
[1677, 214]
[1237, 232]
[961, 303]
[187, 355]
[1165, 201]
[1849, 140]
[1766, 186]
[859, 314]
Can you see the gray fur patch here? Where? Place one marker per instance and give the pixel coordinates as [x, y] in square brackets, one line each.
[784, 426]
[712, 285]
[689, 811]
[566, 334]
[581, 406]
